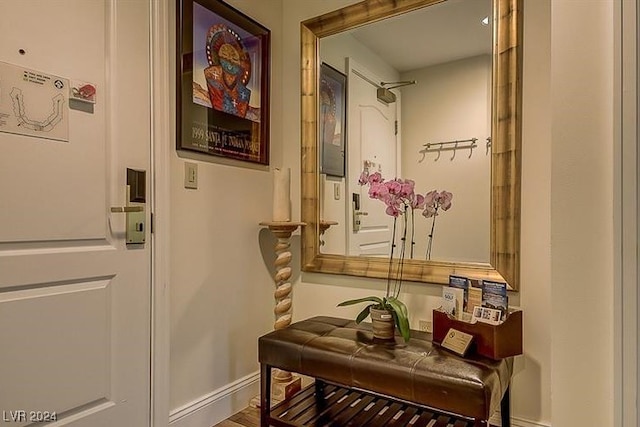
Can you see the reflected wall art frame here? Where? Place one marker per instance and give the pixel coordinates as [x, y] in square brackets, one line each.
[222, 82]
[332, 110]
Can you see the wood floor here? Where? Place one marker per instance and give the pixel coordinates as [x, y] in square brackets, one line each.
[248, 417]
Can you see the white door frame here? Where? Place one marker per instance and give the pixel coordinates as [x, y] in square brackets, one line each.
[626, 223]
[161, 150]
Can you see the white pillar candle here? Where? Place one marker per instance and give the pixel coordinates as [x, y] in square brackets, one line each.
[281, 194]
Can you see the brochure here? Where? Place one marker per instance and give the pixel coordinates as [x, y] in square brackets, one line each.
[452, 299]
[460, 282]
[494, 295]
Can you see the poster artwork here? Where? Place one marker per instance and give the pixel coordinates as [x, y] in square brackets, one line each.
[226, 79]
[33, 103]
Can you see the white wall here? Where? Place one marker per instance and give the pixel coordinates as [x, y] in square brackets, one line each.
[221, 288]
[451, 101]
[582, 212]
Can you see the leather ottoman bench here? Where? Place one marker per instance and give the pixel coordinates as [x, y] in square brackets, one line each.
[419, 373]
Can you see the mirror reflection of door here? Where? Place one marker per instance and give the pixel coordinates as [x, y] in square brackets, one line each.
[372, 145]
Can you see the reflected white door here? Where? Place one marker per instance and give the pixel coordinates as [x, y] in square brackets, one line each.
[372, 143]
[74, 298]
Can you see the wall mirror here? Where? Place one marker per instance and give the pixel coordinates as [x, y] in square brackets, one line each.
[438, 151]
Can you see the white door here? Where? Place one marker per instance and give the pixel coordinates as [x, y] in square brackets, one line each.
[372, 144]
[74, 297]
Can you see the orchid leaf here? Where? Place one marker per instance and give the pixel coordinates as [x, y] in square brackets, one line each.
[400, 304]
[401, 318]
[374, 299]
[364, 313]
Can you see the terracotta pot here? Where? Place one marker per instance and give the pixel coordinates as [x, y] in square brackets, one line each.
[383, 324]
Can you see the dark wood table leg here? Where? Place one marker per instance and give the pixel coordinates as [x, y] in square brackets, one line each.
[265, 394]
[505, 408]
[319, 393]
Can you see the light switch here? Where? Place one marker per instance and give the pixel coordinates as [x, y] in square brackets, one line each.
[336, 191]
[190, 175]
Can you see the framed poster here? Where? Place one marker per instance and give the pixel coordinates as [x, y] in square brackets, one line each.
[332, 120]
[223, 74]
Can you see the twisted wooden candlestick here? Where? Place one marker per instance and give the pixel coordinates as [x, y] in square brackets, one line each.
[282, 230]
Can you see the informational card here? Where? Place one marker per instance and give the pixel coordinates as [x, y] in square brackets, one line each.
[452, 300]
[457, 341]
[33, 103]
[487, 315]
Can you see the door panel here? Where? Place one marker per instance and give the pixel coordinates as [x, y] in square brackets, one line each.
[372, 145]
[69, 349]
[66, 39]
[74, 298]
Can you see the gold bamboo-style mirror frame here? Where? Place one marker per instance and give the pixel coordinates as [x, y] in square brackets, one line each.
[504, 260]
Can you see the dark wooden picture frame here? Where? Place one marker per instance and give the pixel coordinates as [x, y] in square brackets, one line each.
[222, 82]
[332, 120]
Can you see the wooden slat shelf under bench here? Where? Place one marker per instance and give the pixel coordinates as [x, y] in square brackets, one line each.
[339, 406]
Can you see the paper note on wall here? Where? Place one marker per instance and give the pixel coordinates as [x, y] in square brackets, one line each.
[33, 103]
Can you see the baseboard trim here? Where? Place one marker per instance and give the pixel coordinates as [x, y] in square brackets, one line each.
[218, 405]
[515, 422]
[519, 422]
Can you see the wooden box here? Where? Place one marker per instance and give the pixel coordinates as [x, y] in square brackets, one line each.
[492, 341]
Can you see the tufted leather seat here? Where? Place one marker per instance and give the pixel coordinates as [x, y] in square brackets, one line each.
[342, 352]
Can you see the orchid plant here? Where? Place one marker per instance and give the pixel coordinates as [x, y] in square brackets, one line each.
[435, 202]
[401, 201]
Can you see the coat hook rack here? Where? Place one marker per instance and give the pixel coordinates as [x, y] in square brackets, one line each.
[455, 145]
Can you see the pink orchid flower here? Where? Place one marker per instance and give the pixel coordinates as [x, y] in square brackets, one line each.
[435, 201]
[418, 201]
[392, 210]
[375, 178]
[378, 190]
[407, 189]
[399, 195]
[445, 199]
[364, 177]
[394, 186]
